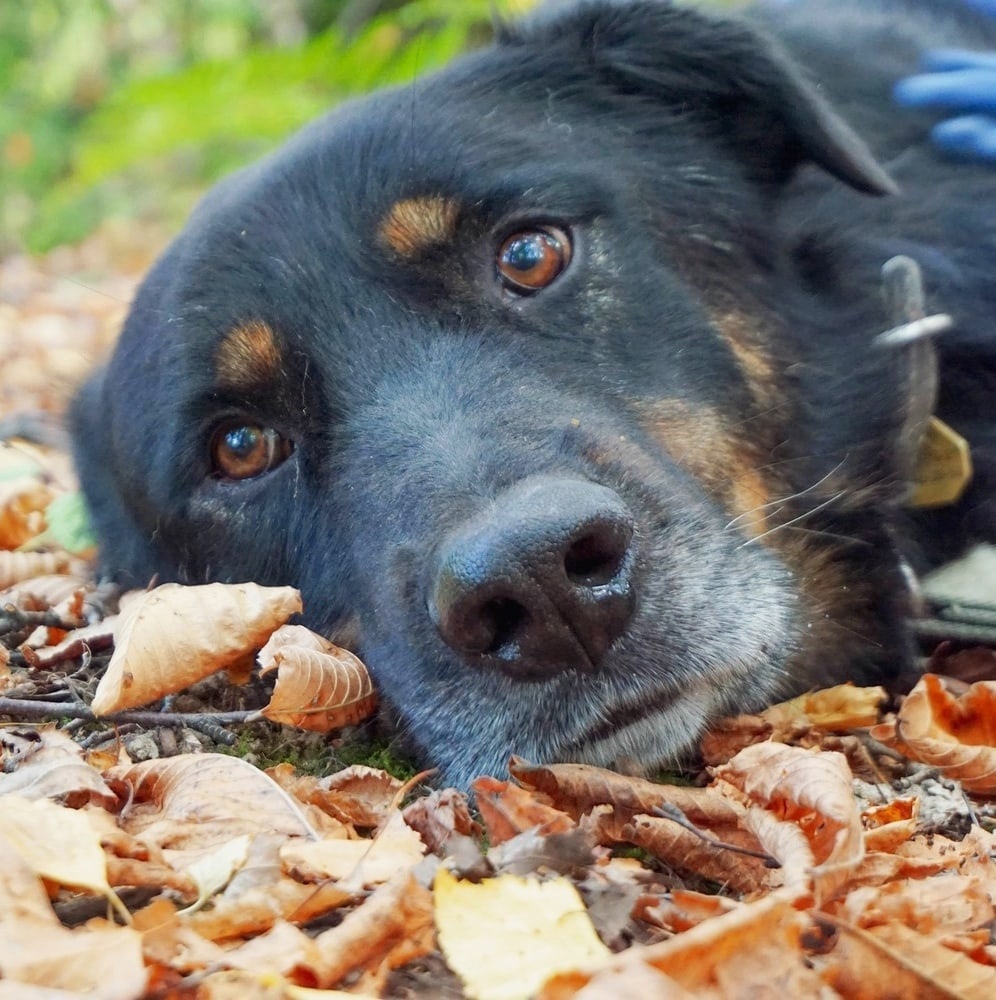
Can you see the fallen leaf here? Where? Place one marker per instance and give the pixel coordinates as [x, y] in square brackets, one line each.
[578, 788]
[955, 735]
[53, 769]
[22, 511]
[58, 844]
[319, 685]
[173, 636]
[765, 934]
[813, 790]
[213, 871]
[440, 815]
[894, 961]
[199, 802]
[508, 810]
[834, 709]
[506, 936]
[393, 926]
[356, 863]
[15, 567]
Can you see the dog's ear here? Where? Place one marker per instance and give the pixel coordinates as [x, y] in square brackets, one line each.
[718, 71]
[126, 553]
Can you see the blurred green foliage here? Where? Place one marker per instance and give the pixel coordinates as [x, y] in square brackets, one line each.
[131, 107]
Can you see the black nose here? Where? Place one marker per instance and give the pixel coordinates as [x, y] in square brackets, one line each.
[540, 581]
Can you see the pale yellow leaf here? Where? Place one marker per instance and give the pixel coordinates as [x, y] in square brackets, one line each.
[357, 862]
[506, 936]
[319, 686]
[57, 843]
[173, 636]
[214, 870]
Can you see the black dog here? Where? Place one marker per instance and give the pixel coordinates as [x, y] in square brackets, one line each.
[552, 382]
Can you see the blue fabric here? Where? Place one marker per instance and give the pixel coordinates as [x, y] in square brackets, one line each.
[986, 6]
[963, 82]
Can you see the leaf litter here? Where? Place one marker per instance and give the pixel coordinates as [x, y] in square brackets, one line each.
[836, 845]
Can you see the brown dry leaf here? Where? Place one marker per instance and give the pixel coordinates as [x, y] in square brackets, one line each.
[751, 951]
[45, 591]
[51, 766]
[835, 709]
[258, 909]
[197, 802]
[283, 949]
[788, 845]
[392, 927]
[688, 853]
[22, 510]
[894, 961]
[505, 936]
[173, 636]
[356, 863]
[934, 906]
[99, 962]
[366, 796]
[955, 735]
[578, 788]
[813, 790]
[359, 795]
[440, 815]
[319, 685]
[681, 909]
[508, 810]
[15, 567]
[801, 720]
[887, 826]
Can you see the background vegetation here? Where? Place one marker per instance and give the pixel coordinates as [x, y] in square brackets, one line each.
[131, 107]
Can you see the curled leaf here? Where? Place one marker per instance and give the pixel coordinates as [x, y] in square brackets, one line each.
[319, 686]
[955, 735]
[173, 636]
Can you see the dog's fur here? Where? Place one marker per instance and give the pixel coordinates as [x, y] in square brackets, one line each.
[700, 382]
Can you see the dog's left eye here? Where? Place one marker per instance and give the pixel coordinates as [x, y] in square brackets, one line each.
[530, 260]
[243, 451]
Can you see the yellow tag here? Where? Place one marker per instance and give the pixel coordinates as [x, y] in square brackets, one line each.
[943, 467]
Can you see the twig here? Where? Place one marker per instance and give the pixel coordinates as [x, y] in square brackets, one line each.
[30, 709]
[668, 811]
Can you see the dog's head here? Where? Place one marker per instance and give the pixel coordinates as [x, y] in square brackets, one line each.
[512, 373]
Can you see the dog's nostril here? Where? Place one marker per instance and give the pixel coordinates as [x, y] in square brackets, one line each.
[505, 618]
[539, 582]
[594, 560]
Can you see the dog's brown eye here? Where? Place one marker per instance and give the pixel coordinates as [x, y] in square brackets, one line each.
[530, 260]
[242, 451]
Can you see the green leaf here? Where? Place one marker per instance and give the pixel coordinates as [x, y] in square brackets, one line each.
[68, 525]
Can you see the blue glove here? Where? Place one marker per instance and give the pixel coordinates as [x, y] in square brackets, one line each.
[962, 81]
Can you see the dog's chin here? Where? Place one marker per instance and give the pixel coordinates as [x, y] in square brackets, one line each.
[633, 713]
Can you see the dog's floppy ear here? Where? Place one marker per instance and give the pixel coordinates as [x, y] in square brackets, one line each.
[125, 552]
[717, 70]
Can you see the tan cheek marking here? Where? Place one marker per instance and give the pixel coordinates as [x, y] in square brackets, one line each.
[248, 357]
[741, 333]
[416, 224]
[697, 439]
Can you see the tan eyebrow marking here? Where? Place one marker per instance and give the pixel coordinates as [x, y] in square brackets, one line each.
[415, 224]
[247, 357]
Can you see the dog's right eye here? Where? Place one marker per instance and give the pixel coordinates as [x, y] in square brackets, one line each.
[243, 451]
